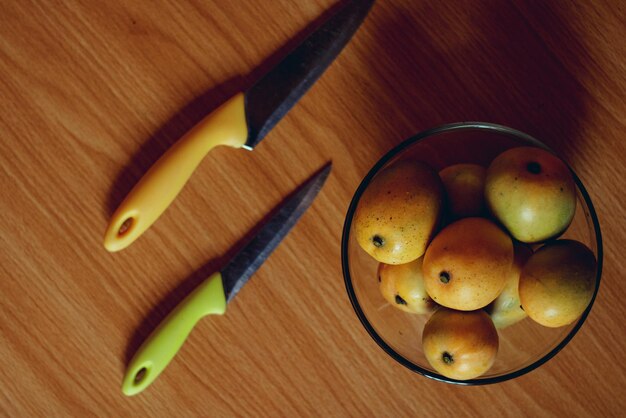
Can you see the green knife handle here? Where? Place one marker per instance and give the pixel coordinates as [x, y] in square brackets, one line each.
[161, 184]
[165, 341]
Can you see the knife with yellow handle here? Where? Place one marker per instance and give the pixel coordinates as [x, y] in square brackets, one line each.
[211, 297]
[242, 122]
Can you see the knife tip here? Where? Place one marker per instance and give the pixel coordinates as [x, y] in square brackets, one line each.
[324, 171]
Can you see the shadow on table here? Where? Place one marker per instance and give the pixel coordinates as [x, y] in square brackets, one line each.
[175, 296]
[451, 62]
[183, 120]
[482, 64]
[158, 143]
[187, 286]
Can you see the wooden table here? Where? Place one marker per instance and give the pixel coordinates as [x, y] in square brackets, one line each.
[92, 93]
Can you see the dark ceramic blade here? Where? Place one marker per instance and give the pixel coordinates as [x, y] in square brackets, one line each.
[276, 93]
[249, 259]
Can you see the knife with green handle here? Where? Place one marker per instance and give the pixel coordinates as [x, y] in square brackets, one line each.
[241, 122]
[211, 296]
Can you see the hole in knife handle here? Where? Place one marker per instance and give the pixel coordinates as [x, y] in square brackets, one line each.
[126, 225]
[140, 375]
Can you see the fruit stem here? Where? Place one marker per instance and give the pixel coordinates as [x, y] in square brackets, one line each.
[534, 167]
[400, 301]
[447, 358]
[378, 241]
[444, 276]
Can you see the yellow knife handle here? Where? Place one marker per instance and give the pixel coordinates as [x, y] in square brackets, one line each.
[165, 341]
[166, 178]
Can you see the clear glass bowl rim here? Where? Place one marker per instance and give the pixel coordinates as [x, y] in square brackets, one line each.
[486, 126]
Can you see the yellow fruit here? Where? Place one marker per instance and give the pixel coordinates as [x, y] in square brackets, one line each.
[398, 212]
[506, 309]
[402, 285]
[460, 345]
[467, 264]
[465, 189]
[558, 282]
[531, 192]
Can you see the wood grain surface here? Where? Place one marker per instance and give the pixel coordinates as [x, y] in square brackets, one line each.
[93, 92]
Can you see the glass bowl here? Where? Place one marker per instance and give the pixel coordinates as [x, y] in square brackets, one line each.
[523, 346]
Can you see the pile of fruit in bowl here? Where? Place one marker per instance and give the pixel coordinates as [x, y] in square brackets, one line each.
[473, 249]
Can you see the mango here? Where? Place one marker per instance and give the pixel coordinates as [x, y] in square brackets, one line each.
[460, 345]
[399, 212]
[557, 283]
[531, 192]
[465, 190]
[467, 264]
[506, 309]
[402, 285]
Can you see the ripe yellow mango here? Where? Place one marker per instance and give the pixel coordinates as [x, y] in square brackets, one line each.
[466, 265]
[402, 285]
[398, 212]
[460, 345]
[557, 283]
